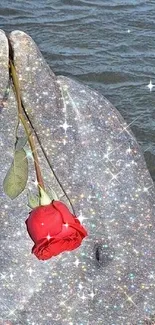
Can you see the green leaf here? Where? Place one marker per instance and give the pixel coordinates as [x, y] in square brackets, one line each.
[52, 194]
[20, 142]
[17, 175]
[43, 197]
[33, 200]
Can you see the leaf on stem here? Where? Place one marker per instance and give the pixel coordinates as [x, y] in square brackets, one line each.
[16, 178]
[52, 194]
[20, 142]
[43, 197]
[33, 200]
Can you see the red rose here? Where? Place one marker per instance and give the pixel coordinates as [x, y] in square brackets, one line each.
[54, 229]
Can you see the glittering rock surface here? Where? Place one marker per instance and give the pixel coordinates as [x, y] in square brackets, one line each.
[109, 279]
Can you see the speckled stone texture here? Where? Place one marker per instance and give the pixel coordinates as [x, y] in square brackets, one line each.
[109, 279]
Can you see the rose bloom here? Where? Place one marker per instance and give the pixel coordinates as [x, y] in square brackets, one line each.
[54, 229]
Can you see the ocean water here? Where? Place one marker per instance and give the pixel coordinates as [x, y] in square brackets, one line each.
[108, 45]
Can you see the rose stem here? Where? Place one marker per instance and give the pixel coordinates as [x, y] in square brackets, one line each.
[26, 126]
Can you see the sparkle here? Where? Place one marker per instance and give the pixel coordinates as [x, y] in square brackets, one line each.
[83, 297]
[92, 295]
[77, 262]
[29, 153]
[3, 276]
[48, 237]
[12, 312]
[64, 142]
[30, 271]
[114, 176]
[6, 206]
[65, 126]
[66, 225]
[128, 125]
[106, 155]
[129, 298]
[150, 85]
[81, 217]
[129, 150]
[11, 276]
[151, 275]
[146, 189]
[80, 286]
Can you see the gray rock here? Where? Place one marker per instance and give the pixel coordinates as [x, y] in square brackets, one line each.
[95, 157]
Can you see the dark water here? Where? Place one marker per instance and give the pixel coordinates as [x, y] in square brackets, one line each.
[109, 45]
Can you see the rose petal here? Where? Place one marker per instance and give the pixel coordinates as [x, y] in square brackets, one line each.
[45, 249]
[66, 231]
[67, 216]
[44, 221]
[51, 220]
[79, 228]
[72, 229]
